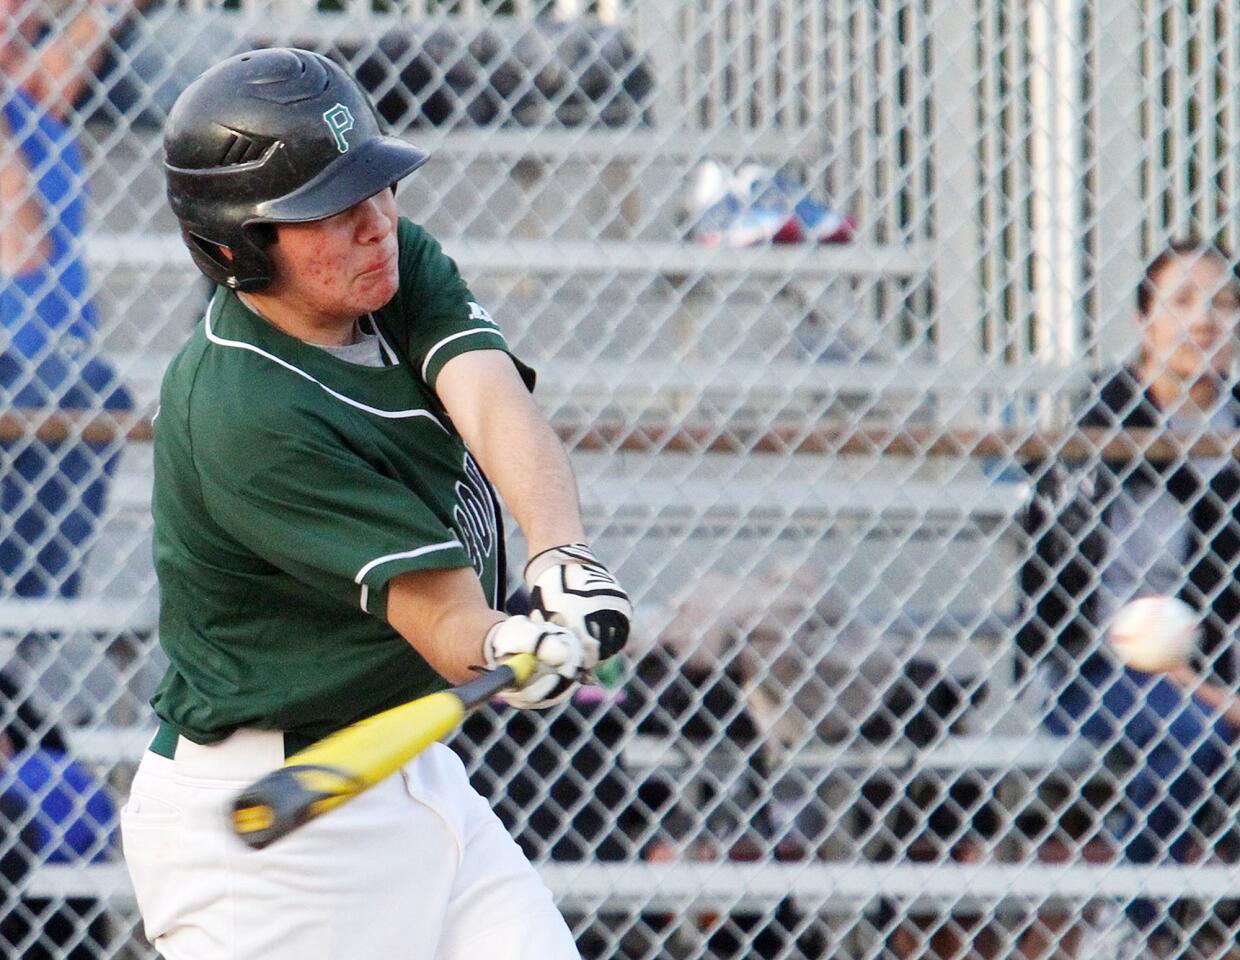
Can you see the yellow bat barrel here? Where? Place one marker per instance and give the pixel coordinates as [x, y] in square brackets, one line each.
[339, 767]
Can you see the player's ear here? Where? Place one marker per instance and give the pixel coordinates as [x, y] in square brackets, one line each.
[226, 253]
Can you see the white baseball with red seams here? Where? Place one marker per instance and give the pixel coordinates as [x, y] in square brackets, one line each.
[1154, 634]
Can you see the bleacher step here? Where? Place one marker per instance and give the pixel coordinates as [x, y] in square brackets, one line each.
[1024, 752]
[816, 886]
[151, 252]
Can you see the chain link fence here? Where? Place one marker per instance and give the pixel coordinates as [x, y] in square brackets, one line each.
[830, 301]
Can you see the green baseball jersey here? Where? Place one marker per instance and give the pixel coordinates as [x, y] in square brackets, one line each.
[290, 487]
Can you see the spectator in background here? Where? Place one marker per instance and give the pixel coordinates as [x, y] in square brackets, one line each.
[54, 811]
[555, 779]
[51, 492]
[755, 668]
[1127, 529]
[552, 777]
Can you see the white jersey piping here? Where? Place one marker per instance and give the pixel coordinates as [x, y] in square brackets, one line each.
[383, 344]
[456, 336]
[405, 555]
[242, 345]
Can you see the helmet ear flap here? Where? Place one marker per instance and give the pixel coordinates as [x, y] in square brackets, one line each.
[208, 256]
[252, 267]
[249, 269]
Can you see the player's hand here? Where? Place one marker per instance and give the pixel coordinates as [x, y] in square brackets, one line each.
[561, 657]
[570, 587]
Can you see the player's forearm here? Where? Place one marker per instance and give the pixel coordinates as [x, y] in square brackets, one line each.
[535, 480]
[515, 446]
[451, 642]
[444, 616]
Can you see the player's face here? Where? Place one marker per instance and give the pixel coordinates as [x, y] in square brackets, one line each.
[337, 269]
[1190, 331]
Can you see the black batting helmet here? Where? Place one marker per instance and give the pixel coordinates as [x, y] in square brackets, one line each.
[271, 136]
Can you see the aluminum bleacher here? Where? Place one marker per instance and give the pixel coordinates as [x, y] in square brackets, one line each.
[865, 406]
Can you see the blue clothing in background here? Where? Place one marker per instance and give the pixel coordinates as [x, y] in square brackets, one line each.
[51, 494]
[73, 817]
[52, 301]
[1181, 745]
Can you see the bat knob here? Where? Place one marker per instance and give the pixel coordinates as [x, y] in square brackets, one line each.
[283, 800]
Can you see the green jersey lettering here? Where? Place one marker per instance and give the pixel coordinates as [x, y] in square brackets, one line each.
[339, 120]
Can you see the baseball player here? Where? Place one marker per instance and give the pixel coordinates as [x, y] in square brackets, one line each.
[328, 543]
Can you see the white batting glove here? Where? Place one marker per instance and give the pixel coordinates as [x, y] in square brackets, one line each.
[561, 658]
[570, 587]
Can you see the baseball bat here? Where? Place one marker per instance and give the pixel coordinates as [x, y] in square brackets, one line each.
[337, 768]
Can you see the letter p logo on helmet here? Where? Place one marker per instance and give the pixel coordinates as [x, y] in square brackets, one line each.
[339, 121]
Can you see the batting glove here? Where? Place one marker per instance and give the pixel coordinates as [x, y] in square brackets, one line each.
[561, 658]
[570, 587]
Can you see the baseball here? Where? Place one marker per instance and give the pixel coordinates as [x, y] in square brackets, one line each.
[1154, 633]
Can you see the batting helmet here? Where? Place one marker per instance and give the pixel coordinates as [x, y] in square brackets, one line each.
[271, 136]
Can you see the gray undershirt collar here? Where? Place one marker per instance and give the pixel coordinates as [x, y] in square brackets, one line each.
[367, 351]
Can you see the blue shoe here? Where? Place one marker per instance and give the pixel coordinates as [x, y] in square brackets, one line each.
[730, 224]
[820, 224]
[814, 222]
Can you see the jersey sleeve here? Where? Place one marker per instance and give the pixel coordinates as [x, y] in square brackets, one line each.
[441, 315]
[311, 507]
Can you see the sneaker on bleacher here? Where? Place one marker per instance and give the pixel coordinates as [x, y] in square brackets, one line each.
[809, 221]
[726, 211]
[822, 224]
[757, 205]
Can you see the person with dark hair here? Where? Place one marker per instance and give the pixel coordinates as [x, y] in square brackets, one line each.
[1115, 531]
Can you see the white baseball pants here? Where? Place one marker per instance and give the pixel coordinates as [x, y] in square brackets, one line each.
[417, 868]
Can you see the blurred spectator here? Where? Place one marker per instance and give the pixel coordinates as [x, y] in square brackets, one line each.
[762, 666]
[554, 778]
[55, 812]
[1118, 531]
[505, 71]
[730, 812]
[51, 493]
[810, 669]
